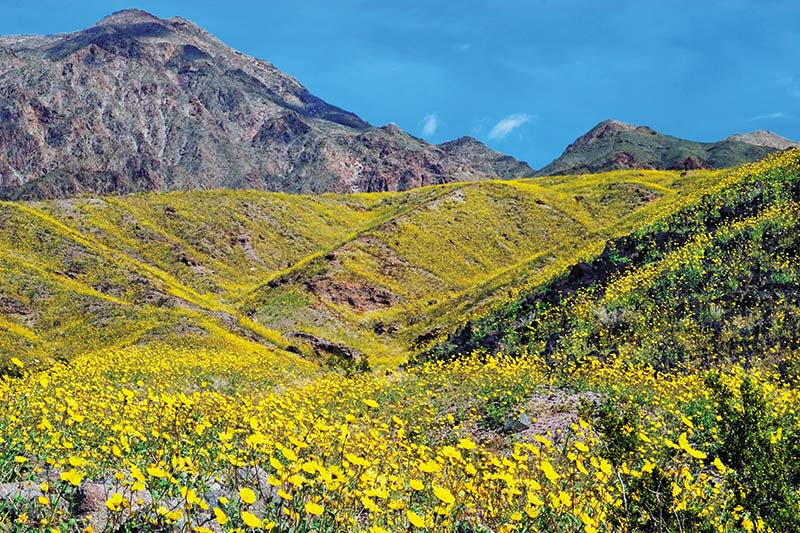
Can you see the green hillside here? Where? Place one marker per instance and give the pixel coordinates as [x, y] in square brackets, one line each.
[371, 271]
[717, 279]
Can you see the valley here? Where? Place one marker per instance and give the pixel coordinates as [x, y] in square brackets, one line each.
[224, 417]
[372, 271]
[227, 305]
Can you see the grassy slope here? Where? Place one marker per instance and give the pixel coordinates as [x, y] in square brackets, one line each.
[715, 278]
[373, 271]
[460, 252]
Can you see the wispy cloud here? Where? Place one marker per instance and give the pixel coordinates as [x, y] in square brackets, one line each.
[430, 124]
[767, 116]
[463, 47]
[509, 124]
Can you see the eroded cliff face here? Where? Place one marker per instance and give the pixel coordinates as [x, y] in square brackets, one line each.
[138, 103]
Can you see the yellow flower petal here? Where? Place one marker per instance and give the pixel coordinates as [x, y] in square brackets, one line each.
[415, 519]
[313, 508]
[247, 495]
[444, 495]
[549, 471]
[220, 515]
[251, 520]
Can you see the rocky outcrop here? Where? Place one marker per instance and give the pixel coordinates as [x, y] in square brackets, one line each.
[92, 504]
[139, 103]
[764, 138]
[475, 155]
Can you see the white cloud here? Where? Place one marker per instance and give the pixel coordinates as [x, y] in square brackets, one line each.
[777, 114]
[430, 124]
[509, 124]
[463, 47]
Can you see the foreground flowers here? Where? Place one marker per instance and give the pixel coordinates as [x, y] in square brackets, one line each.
[412, 450]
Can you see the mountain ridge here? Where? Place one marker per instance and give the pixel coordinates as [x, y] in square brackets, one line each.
[615, 145]
[764, 138]
[140, 103]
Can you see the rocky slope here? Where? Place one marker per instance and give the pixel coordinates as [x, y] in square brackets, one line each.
[475, 155]
[613, 145]
[764, 138]
[139, 103]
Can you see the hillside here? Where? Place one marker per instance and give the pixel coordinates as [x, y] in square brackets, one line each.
[714, 280]
[613, 145]
[647, 380]
[371, 271]
[139, 103]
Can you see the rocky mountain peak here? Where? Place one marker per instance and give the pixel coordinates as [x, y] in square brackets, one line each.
[764, 138]
[392, 129]
[614, 145]
[490, 161]
[126, 17]
[604, 130]
[610, 127]
[140, 103]
[462, 142]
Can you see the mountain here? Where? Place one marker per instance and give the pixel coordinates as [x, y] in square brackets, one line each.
[615, 145]
[476, 155]
[139, 103]
[764, 138]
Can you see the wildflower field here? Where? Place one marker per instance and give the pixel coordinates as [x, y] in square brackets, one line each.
[640, 377]
[371, 271]
[192, 440]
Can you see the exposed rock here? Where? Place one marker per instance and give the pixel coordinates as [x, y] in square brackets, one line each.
[324, 348]
[128, 16]
[253, 476]
[518, 424]
[614, 145]
[476, 155]
[356, 296]
[139, 103]
[691, 163]
[90, 505]
[26, 490]
[13, 307]
[764, 138]
[604, 130]
[553, 412]
[187, 260]
[87, 506]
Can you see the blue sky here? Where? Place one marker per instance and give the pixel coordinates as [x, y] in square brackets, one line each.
[525, 77]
